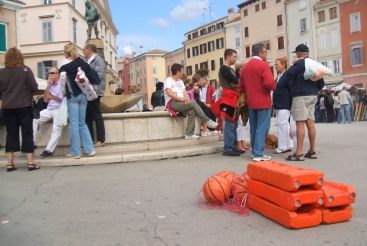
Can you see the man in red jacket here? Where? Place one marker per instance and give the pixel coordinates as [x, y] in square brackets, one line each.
[257, 80]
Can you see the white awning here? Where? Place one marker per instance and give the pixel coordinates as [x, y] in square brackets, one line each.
[42, 84]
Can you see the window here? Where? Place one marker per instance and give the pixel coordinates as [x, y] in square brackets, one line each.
[137, 74]
[141, 83]
[145, 82]
[131, 77]
[195, 35]
[204, 65]
[322, 41]
[47, 2]
[237, 29]
[221, 61]
[145, 70]
[263, 5]
[155, 71]
[239, 56]
[257, 8]
[189, 37]
[220, 44]
[3, 42]
[74, 31]
[212, 64]
[168, 70]
[44, 67]
[211, 46]
[212, 28]
[245, 13]
[141, 73]
[73, 3]
[248, 52]
[356, 55]
[334, 37]
[279, 20]
[246, 32]
[303, 22]
[47, 31]
[337, 67]
[355, 22]
[188, 52]
[189, 70]
[154, 58]
[238, 42]
[321, 16]
[278, 1]
[281, 43]
[332, 13]
[203, 48]
[155, 81]
[195, 51]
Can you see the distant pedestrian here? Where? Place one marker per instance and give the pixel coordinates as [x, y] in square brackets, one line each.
[344, 99]
[157, 99]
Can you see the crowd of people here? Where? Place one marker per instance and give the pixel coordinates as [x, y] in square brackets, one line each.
[17, 84]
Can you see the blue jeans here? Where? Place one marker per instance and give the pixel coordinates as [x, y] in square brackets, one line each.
[322, 115]
[77, 106]
[338, 115]
[345, 111]
[317, 113]
[230, 135]
[260, 125]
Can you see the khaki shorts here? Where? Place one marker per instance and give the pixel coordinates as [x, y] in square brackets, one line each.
[303, 108]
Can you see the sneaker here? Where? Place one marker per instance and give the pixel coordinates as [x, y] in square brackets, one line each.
[211, 124]
[46, 154]
[231, 153]
[216, 132]
[99, 144]
[93, 153]
[206, 134]
[73, 156]
[195, 137]
[241, 151]
[263, 158]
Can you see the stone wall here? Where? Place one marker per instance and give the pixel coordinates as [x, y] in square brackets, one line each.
[124, 127]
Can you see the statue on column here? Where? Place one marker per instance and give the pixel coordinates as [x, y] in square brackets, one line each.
[92, 15]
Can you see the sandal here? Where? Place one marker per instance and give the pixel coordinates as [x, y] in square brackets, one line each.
[311, 155]
[295, 157]
[32, 167]
[10, 168]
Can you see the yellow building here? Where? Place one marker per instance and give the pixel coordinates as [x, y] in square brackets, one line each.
[176, 56]
[46, 26]
[146, 70]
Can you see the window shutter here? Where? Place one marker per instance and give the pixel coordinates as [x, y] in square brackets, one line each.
[49, 31]
[2, 38]
[40, 69]
[44, 29]
[54, 63]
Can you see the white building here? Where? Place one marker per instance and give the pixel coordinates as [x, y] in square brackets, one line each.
[233, 35]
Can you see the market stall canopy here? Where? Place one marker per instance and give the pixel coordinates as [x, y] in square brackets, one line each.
[340, 87]
[42, 84]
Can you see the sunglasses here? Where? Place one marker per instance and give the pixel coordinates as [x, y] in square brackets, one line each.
[52, 73]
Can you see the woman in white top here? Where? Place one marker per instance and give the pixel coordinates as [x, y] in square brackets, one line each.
[337, 106]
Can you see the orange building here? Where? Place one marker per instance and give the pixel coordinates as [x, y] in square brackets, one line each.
[353, 19]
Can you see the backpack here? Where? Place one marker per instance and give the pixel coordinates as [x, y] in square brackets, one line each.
[41, 103]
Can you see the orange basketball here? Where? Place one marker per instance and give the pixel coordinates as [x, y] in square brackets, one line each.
[216, 190]
[230, 176]
[239, 187]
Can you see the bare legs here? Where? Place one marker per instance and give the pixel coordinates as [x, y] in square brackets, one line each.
[301, 135]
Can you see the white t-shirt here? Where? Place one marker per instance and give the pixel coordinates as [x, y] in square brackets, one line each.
[177, 87]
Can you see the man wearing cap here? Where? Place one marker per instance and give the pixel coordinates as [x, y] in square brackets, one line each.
[304, 93]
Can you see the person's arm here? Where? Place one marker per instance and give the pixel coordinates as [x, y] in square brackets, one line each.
[267, 77]
[173, 96]
[100, 67]
[320, 84]
[91, 74]
[226, 73]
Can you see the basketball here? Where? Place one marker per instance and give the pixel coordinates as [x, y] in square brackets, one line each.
[230, 176]
[240, 187]
[216, 190]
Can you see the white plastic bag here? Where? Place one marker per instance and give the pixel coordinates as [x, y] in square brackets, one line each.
[62, 116]
[315, 70]
[293, 128]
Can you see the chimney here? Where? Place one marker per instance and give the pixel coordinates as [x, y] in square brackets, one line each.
[141, 49]
[230, 10]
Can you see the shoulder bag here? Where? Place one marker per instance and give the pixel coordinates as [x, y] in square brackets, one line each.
[34, 106]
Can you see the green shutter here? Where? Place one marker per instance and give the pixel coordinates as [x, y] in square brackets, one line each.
[2, 38]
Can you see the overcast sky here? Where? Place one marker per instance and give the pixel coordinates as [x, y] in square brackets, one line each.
[161, 24]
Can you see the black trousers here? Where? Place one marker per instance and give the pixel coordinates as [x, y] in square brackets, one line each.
[15, 118]
[94, 113]
[330, 114]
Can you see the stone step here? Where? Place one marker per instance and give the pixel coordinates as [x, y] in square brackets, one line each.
[174, 149]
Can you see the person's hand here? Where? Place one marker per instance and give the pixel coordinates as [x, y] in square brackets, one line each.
[187, 101]
[208, 105]
[234, 85]
[295, 60]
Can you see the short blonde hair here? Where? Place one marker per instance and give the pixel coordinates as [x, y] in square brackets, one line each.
[70, 51]
[239, 64]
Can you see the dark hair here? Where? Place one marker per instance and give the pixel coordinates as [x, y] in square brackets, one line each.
[91, 46]
[159, 86]
[256, 48]
[119, 91]
[229, 52]
[176, 68]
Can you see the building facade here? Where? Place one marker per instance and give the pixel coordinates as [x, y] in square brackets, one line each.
[353, 21]
[46, 26]
[204, 48]
[9, 26]
[233, 37]
[264, 21]
[146, 70]
[329, 49]
[176, 56]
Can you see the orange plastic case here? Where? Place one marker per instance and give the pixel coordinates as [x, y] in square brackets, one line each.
[336, 214]
[285, 176]
[338, 194]
[285, 199]
[306, 216]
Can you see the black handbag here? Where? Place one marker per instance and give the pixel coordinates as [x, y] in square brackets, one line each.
[34, 107]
